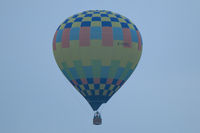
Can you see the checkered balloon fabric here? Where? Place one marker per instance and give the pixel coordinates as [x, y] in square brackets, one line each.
[97, 51]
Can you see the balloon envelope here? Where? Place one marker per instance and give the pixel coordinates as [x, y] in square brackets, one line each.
[97, 51]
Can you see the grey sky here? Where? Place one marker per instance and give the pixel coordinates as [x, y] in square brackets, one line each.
[161, 96]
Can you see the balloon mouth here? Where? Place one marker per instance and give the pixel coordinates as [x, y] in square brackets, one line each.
[96, 101]
[95, 105]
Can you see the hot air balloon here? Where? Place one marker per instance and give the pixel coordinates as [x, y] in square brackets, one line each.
[97, 51]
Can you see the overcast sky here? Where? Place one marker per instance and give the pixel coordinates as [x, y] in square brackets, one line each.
[162, 95]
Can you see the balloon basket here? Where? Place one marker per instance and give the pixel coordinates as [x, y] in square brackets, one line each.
[97, 119]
